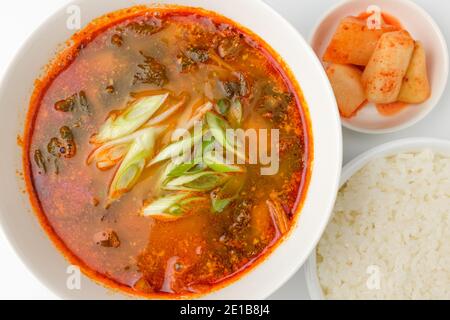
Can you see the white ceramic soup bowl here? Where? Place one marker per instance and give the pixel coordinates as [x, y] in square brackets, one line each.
[21, 225]
[422, 28]
[353, 167]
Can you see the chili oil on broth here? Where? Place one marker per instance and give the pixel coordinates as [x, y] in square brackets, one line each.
[202, 251]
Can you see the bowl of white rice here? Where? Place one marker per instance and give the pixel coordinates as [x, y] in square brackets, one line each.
[389, 236]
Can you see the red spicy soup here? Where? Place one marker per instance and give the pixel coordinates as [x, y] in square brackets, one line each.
[99, 134]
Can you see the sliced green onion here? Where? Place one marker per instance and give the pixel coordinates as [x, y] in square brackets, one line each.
[176, 149]
[187, 179]
[116, 145]
[199, 167]
[175, 169]
[133, 164]
[180, 169]
[199, 182]
[175, 210]
[223, 105]
[172, 207]
[218, 164]
[222, 198]
[207, 146]
[110, 153]
[199, 150]
[131, 119]
[235, 114]
[219, 205]
[162, 205]
[218, 127]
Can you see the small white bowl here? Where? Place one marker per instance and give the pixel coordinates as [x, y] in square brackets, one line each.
[422, 27]
[385, 150]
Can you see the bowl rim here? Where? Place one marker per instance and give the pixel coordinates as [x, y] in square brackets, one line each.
[445, 68]
[336, 168]
[351, 168]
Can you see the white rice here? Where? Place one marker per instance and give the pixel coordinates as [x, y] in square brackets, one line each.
[390, 235]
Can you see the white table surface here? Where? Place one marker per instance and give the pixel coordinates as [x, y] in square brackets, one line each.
[19, 18]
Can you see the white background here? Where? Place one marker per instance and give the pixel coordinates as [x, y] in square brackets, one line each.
[18, 19]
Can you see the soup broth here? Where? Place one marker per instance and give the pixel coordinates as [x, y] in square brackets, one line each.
[197, 64]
